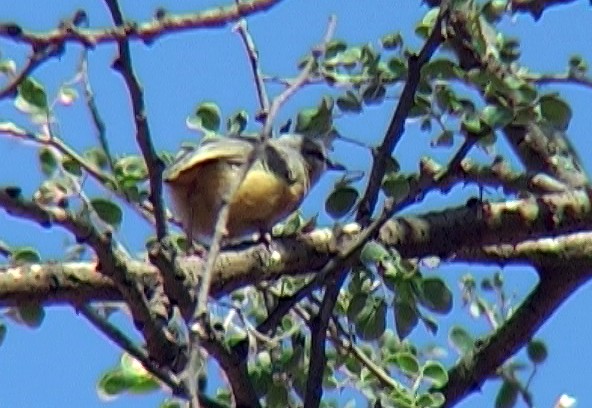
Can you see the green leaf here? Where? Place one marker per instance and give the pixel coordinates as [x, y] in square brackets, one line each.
[407, 363]
[392, 165]
[373, 252]
[494, 10]
[108, 211]
[48, 161]
[374, 94]
[355, 306]
[496, 116]
[71, 165]
[438, 399]
[537, 351]
[405, 317]
[237, 122]
[421, 106]
[206, 117]
[461, 340]
[577, 66]
[142, 384]
[427, 400]
[113, 383]
[391, 41]
[430, 324]
[350, 102]
[131, 168]
[341, 201]
[24, 255]
[397, 67]
[509, 50]
[8, 67]
[31, 314]
[350, 56]
[507, 395]
[396, 186]
[435, 372]
[371, 321]
[67, 95]
[316, 121]
[441, 69]
[444, 139]
[435, 295]
[556, 111]
[472, 124]
[334, 47]
[3, 331]
[33, 93]
[97, 156]
[424, 28]
[171, 403]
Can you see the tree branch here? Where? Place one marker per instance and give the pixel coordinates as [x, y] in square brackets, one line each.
[147, 32]
[123, 64]
[161, 344]
[474, 368]
[397, 124]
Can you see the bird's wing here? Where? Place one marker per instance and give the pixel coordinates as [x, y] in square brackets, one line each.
[231, 149]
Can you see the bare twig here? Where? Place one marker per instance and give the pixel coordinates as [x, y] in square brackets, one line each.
[38, 57]
[397, 124]
[299, 81]
[253, 54]
[546, 79]
[105, 179]
[147, 32]
[93, 109]
[200, 313]
[123, 64]
[119, 338]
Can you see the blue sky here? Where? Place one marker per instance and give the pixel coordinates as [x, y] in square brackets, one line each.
[58, 364]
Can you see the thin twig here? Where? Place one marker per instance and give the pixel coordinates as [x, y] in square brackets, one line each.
[335, 263]
[123, 341]
[36, 59]
[253, 54]
[300, 80]
[348, 346]
[105, 179]
[241, 174]
[545, 79]
[397, 124]
[94, 111]
[123, 64]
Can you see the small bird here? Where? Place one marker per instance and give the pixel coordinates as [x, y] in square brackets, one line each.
[277, 182]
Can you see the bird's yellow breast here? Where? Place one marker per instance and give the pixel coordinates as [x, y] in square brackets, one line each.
[262, 199]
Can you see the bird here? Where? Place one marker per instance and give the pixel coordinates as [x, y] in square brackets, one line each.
[283, 173]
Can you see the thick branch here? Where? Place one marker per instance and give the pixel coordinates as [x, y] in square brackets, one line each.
[460, 233]
[112, 262]
[473, 370]
[147, 32]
